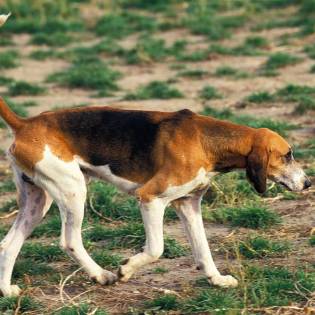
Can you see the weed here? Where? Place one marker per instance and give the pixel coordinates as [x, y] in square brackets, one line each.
[42, 253]
[5, 80]
[258, 247]
[280, 60]
[8, 59]
[194, 74]
[250, 216]
[166, 302]
[8, 305]
[155, 89]
[209, 92]
[79, 76]
[160, 270]
[214, 301]
[278, 126]
[58, 39]
[82, 309]
[124, 24]
[49, 228]
[260, 97]
[24, 88]
[43, 54]
[105, 259]
[172, 249]
[7, 186]
[8, 206]
[229, 71]
[27, 267]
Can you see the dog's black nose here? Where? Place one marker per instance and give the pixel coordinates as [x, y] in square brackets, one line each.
[307, 184]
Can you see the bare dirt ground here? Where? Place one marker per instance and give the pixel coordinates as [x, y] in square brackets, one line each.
[298, 215]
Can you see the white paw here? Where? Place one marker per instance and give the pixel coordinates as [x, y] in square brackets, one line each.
[12, 290]
[224, 281]
[105, 278]
[125, 272]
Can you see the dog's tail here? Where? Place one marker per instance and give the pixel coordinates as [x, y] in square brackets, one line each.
[13, 120]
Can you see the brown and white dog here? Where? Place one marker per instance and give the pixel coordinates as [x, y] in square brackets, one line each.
[158, 157]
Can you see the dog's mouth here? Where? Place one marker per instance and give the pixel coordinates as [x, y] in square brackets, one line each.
[285, 185]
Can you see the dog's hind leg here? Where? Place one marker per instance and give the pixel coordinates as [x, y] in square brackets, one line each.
[189, 211]
[33, 203]
[66, 184]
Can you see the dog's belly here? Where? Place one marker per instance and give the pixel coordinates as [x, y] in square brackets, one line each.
[104, 172]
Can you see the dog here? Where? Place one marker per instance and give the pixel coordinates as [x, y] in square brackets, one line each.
[158, 157]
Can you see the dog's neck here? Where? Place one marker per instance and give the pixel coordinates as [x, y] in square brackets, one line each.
[227, 145]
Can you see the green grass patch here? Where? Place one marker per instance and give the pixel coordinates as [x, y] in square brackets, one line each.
[82, 309]
[9, 59]
[259, 247]
[280, 60]
[9, 305]
[227, 71]
[17, 88]
[312, 240]
[79, 76]
[24, 267]
[194, 74]
[124, 24]
[105, 259]
[5, 80]
[167, 302]
[9, 206]
[7, 185]
[41, 253]
[260, 97]
[250, 216]
[51, 227]
[208, 92]
[172, 249]
[43, 54]
[155, 90]
[278, 126]
[58, 39]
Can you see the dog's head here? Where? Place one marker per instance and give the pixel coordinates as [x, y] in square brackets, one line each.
[271, 158]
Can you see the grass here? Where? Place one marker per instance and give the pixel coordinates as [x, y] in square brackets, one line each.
[106, 259]
[280, 60]
[260, 97]
[58, 39]
[256, 246]
[155, 90]
[279, 126]
[42, 253]
[302, 95]
[24, 88]
[9, 59]
[43, 54]
[9, 206]
[7, 185]
[51, 227]
[124, 24]
[28, 267]
[11, 305]
[194, 74]
[82, 309]
[227, 71]
[79, 76]
[166, 302]
[251, 216]
[208, 92]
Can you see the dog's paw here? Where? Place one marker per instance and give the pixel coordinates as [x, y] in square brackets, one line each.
[125, 272]
[224, 281]
[105, 278]
[12, 290]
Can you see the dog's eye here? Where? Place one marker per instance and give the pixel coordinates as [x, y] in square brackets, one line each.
[288, 157]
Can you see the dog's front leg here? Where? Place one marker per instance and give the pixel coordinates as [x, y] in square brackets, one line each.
[189, 211]
[152, 215]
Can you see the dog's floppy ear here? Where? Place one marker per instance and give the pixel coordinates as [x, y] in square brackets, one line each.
[256, 171]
